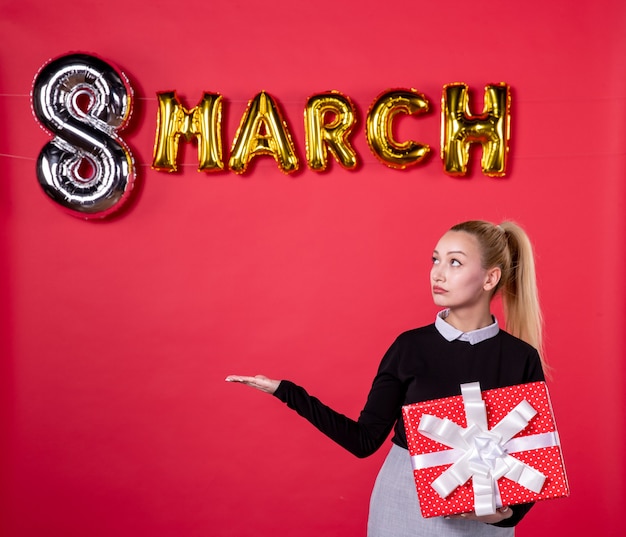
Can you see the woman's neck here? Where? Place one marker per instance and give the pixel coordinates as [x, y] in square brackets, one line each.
[468, 321]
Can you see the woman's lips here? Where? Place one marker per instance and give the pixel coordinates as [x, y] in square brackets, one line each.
[438, 290]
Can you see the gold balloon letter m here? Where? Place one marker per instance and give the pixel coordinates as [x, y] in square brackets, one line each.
[202, 122]
[460, 129]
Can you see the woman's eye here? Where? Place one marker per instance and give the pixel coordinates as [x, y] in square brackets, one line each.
[435, 261]
[455, 263]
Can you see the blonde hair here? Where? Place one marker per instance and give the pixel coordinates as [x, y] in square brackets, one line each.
[508, 247]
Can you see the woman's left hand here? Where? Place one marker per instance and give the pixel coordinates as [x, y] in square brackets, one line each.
[501, 514]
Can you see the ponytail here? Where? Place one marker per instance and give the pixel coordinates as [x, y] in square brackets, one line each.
[508, 247]
[519, 291]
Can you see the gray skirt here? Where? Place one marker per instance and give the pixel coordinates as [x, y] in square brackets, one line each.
[395, 511]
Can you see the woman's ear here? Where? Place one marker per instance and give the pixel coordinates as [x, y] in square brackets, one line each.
[492, 278]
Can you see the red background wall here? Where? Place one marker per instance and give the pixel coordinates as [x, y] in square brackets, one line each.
[116, 335]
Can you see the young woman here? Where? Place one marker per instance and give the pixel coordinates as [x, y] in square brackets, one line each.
[471, 263]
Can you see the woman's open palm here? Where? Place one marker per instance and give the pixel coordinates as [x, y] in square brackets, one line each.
[259, 382]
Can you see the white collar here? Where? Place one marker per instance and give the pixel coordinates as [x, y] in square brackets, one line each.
[474, 336]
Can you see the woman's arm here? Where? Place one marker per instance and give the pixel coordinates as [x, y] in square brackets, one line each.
[361, 437]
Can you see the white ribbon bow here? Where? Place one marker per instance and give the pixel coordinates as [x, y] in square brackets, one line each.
[480, 453]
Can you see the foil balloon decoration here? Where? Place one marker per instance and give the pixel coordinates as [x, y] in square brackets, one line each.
[491, 128]
[204, 122]
[86, 167]
[263, 131]
[328, 120]
[379, 128]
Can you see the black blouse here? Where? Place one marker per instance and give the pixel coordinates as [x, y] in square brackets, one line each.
[419, 366]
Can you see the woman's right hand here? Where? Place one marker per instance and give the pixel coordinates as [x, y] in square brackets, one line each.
[259, 382]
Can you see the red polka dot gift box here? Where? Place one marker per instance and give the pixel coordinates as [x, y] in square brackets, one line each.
[481, 450]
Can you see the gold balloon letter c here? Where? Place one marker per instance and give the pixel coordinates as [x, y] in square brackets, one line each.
[379, 128]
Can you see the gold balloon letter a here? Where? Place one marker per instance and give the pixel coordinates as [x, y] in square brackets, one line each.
[203, 122]
[460, 129]
[263, 132]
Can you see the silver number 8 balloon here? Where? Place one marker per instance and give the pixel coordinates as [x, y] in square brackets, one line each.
[83, 101]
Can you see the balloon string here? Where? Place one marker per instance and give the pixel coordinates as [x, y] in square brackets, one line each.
[300, 101]
[154, 99]
[140, 165]
[366, 161]
[8, 155]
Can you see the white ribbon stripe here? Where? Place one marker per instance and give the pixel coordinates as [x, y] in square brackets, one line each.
[480, 453]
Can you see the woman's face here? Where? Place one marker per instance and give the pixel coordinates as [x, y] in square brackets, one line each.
[458, 279]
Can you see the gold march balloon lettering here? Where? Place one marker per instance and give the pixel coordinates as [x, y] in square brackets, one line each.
[329, 120]
[84, 102]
